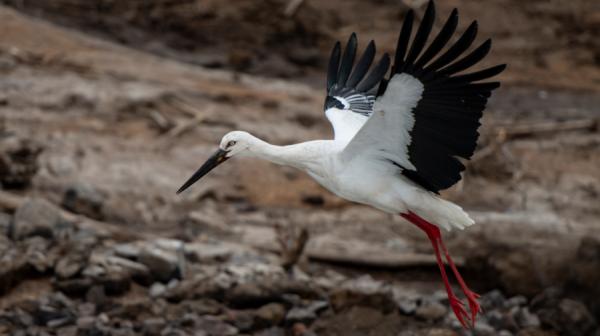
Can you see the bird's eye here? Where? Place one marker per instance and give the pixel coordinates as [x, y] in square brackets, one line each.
[231, 143]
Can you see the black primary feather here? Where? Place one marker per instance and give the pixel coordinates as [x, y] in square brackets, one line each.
[334, 64]
[361, 68]
[422, 34]
[403, 40]
[447, 115]
[349, 86]
[347, 60]
[440, 41]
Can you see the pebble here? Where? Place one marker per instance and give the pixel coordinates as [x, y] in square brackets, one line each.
[162, 264]
[84, 199]
[157, 289]
[271, 314]
[526, 319]
[36, 216]
[431, 311]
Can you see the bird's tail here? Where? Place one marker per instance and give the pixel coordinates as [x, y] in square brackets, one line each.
[445, 214]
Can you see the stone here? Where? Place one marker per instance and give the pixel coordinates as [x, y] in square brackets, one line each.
[157, 289]
[243, 320]
[74, 287]
[306, 314]
[70, 265]
[502, 319]
[567, 316]
[153, 326]
[162, 264]
[84, 199]
[215, 327]
[86, 322]
[205, 252]
[492, 300]
[575, 317]
[515, 301]
[36, 217]
[299, 314]
[526, 319]
[270, 314]
[483, 329]
[363, 291]
[431, 311]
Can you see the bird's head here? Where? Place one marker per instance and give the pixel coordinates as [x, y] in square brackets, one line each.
[233, 143]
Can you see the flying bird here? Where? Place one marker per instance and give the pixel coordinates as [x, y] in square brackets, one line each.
[398, 138]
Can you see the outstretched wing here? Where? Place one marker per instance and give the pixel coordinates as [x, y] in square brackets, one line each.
[427, 114]
[350, 91]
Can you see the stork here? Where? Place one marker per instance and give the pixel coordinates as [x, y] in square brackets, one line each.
[398, 138]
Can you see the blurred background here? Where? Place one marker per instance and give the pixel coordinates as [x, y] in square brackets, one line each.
[107, 106]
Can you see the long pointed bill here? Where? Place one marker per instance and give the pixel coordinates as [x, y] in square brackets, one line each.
[213, 161]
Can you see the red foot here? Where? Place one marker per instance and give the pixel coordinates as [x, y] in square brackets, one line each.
[473, 304]
[435, 236]
[459, 311]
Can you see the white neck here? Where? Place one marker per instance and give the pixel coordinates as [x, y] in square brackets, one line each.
[302, 155]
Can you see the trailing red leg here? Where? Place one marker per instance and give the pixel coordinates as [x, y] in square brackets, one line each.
[469, 294]
[435, 236]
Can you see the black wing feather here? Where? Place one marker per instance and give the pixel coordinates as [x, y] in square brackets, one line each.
[347, 60]
[422, 34]
[403, 40]
[440, 41]
[463, 43]
[448, 113]
[362, 66]
[468, 61]
[376, 75]
[349, 88]
[334, 63]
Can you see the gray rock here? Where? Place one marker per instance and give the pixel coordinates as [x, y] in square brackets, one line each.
[300, 315]
[306, 314]
[70, 265]
[84, 199]
[575, 318]
[431, 311]
[86, 322]
[270, 314]
[483, 329]
[36, 216]
[515, 301]
[215, 327]
[492, 300]
[74, 287]
[363, 291]
[162, 264]
[157, 289]
[129, 251]
[502, 319]
[407, 306]
[153, 326]
[526, 319]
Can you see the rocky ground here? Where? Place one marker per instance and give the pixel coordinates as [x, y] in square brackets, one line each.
[106, 109]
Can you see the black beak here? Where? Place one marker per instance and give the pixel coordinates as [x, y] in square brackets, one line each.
[214, 160]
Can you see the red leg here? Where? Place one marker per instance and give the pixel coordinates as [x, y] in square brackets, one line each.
[434, 235]
[471, 296]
